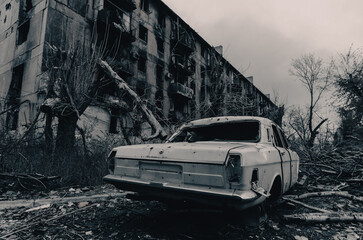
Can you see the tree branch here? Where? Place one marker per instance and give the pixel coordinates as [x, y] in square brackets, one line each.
[159, 131]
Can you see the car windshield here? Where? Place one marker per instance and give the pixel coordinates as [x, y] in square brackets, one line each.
[248, 131]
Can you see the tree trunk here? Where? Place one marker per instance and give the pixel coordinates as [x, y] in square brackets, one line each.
[315, 132]
[65, 141]
[48, 133]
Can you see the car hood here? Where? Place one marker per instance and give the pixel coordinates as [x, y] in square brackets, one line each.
[197, 152]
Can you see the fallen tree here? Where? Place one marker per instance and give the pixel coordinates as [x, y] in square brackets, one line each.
[28, 181]
[326, 217]
[306, 205]
[122, 85]
[328, 194]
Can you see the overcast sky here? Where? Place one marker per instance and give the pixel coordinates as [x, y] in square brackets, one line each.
[261, 37]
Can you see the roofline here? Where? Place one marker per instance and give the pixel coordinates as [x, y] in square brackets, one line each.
[205, 42]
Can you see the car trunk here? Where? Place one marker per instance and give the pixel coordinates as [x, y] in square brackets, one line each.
[201, 163]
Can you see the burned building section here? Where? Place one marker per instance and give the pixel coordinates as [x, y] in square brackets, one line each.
[182, 69]
[173, 69]
[21, 26]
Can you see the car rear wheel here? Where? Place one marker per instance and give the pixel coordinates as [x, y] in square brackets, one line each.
[275, 190]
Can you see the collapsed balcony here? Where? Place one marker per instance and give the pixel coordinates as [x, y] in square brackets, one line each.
[113, 22]
[181, 39]
[182, 66]
[180, 90]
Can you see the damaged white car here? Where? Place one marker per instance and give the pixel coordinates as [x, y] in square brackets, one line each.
[234, 162]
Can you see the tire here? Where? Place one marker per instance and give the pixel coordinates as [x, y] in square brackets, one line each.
[276, 190]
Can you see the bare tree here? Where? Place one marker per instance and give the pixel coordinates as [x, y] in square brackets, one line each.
[216, 100]
[76, 76]
[72, 86]
[348, 80]
[314, 76]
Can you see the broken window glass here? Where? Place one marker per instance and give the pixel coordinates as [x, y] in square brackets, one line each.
[248, 131]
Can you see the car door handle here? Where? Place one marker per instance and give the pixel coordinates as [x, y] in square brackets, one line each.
[283, 153]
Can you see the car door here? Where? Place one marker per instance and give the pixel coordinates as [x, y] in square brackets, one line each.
[286, 146]
[284, 156]
[294, 163]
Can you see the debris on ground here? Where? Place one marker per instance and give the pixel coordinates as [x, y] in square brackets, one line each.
[325, 204]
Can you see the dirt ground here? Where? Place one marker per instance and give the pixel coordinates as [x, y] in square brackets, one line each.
[103, 212]
[122, 218]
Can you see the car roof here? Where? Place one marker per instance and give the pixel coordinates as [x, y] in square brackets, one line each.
[225, 119]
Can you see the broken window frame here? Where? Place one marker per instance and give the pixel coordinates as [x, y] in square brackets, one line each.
[141, 64]
[159, 75]
[160, 45]
[13, 98]
[145, 5]
[23, 32]
[223, 132]
[161, 19]
[114, 118]
[140, 90]
[143, 33]
[159, 102]
[28, 5]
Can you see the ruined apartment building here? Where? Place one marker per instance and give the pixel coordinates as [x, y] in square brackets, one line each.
[160, 56]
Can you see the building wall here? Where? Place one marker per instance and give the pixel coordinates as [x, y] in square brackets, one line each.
[178, 83]
[21, 46]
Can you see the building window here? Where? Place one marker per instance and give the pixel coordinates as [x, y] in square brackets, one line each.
[144, 5]
[23, 31]
[202, 72]
[143, 33]
[140, 91]
[159, 98]
[141, 66]
[29, 5]
[161, 20]
[203, 87]
[13, 98]
[203, 52]
[192, 85]
[159, 76]
[114, 120]
[160, 44]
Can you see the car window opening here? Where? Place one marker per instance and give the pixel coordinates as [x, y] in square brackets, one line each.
[241, 131]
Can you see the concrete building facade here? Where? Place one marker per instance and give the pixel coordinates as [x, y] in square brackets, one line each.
[180, 75]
